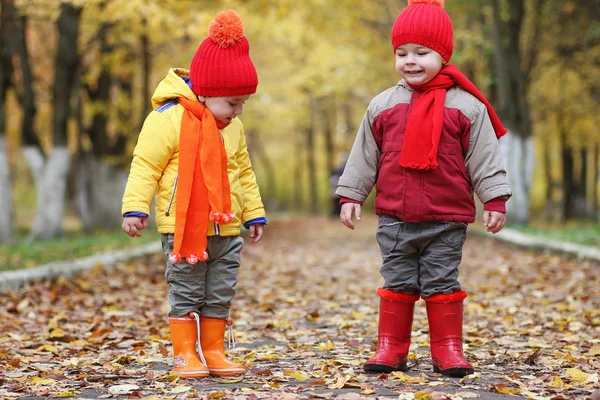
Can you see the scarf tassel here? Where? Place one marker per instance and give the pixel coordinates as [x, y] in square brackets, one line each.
[175, 258]
[221, 218]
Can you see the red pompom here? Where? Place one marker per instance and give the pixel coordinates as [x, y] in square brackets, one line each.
[192, 259]
[226, 29]
[438, 2]
[203, 256]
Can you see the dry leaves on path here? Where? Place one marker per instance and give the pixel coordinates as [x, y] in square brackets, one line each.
[306, 320]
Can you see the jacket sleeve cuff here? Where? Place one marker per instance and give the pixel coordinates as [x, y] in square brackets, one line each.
[498, 204]
[261, 220]
[344, 200]
[135, 214]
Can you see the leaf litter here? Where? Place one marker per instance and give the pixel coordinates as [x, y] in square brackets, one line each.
[305, 318]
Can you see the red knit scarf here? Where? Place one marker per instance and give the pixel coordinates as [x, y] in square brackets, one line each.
[424, 126]
[203, 191]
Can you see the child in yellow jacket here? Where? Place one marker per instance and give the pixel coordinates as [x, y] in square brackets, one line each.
[192, 153]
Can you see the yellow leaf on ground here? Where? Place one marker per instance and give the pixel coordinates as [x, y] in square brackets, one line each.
[423, 395]
[122, 389]
[576, 374]
[402, 377]
[170, 377]
[299, 375]
[326, 346]
[180, 389]
[56, 333]
[556, 382]
[595, 350]
[503, 389]
[229, 381]
[36, 380]
[48, 347]
[67, 393]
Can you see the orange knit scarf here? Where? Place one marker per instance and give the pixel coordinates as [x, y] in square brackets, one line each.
[203, 191]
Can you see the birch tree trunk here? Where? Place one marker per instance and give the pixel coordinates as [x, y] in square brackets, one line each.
[514, 62]
[519, 156]
[51, 189]
[7, 15]
[6, 209]
[53, 184]
[100, 188]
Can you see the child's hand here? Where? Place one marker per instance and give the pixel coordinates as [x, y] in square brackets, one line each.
[494, 221]
[133, 225]
[346, 214]
[256, 232]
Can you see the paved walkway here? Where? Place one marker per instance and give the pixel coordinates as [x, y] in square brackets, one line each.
[306, 319]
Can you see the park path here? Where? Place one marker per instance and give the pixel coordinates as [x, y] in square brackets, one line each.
[305, 321]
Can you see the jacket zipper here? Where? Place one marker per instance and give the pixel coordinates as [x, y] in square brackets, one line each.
[167, 213]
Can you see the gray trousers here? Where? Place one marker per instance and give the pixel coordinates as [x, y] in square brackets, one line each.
[205, 287]
[421, 257]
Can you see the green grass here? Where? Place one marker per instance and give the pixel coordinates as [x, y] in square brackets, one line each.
[26, 254]
[585, 233]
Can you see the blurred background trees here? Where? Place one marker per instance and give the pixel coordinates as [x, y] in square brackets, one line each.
[76, 79]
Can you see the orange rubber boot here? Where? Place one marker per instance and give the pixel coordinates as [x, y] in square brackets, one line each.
[212, 333]
[184, 336]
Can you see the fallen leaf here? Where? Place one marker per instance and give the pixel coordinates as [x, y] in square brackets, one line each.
[122, 389]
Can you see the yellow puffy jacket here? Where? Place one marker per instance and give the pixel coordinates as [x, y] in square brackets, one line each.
[156, 158]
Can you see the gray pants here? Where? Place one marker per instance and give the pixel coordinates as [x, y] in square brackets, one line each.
[205, 287]
[421, 257]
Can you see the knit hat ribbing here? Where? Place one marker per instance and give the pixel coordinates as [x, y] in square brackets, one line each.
[425, 22]
[222, 66]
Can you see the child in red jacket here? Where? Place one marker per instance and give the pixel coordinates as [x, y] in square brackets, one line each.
[427, 144]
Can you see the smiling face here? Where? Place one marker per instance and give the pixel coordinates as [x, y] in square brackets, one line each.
[225, 109]
[417, 64]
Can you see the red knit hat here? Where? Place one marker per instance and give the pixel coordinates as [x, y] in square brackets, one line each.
[425, 22]
[222, 66]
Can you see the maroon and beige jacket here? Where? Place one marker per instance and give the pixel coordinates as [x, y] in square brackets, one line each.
[468, 157]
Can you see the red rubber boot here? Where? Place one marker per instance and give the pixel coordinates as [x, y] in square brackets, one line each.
[395, 324]
[445, 315]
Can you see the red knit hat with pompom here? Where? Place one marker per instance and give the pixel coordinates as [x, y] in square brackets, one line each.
[425, 22]
[222, 66]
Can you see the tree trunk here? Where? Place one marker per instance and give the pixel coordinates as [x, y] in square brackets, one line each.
[7, 14]
[552, 207]
[298, 183]
[328, 112]
[567, 170]
[66, 62]
[28, 134]
[99, 186]
[349, 121]
[256, 149]
[513, 106]
[311, 158]
[6, 209]
[519, 156]
[146, 64]
[52, 187]
[50, 195]
[596, 181]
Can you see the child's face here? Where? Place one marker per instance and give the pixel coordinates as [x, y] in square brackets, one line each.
[225, 108]
[417, 64]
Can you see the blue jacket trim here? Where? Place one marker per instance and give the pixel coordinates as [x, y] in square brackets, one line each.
[135, 214]
[187, 82]
[260, 220]
[167, 105]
